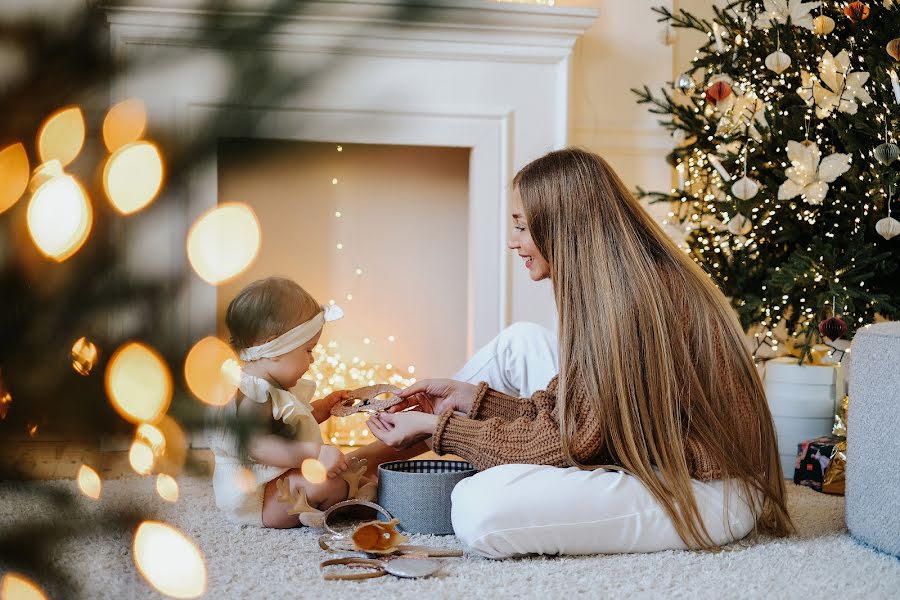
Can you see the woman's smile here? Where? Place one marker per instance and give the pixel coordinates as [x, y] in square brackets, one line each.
[528, 261]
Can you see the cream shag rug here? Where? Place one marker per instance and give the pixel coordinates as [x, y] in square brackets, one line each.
[821, 560]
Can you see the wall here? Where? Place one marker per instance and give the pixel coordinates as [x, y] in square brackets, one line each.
[624, 49]
[409, 245]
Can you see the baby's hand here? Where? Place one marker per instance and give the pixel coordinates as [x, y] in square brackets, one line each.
[322, 407]
[333, 460]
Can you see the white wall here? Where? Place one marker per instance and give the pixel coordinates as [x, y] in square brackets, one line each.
[404, 221]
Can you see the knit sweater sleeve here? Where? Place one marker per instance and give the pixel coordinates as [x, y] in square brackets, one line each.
[490, 403]
[531, 438]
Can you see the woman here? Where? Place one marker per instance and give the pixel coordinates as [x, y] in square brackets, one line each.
[654, 386]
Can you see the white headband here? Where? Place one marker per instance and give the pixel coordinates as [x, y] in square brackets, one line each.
[293, 339]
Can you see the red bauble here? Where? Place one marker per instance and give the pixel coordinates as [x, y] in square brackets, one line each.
[833, 328]
[857, 11]
[718, 92]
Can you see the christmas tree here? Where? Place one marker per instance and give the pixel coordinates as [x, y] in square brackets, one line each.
[786, 160]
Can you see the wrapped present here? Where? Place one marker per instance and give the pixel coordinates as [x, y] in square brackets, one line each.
[814, 457]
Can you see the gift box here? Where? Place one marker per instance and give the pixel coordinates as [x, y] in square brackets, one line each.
[816, 459]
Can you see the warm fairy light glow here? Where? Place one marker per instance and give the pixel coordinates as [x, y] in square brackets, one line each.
[167, 487]
[169, 561]
[331, 372]
[32, 429]
[133, 176]
[152, 437]
[171, 458]
[89, 482]
[84, 356]
[209, 371]
[140, 457]
[18, 587]
[14, 175]
[59, 214]
[313, 471]
[61, 136]
[124, 123]
[138, 383]
[224, 242]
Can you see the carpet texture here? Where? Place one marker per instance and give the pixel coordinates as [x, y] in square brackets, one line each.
[821, 560]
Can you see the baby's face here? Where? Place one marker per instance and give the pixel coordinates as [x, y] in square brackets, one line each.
[290, 367]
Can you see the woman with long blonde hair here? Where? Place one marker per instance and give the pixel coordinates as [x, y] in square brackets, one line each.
[655, 434]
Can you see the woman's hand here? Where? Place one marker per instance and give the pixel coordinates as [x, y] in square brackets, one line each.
[402, 430]
[322, 408]
[435, 396]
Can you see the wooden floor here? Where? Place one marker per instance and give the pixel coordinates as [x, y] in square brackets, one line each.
[61, 460]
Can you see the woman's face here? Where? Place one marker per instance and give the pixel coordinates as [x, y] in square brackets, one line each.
[520, 241]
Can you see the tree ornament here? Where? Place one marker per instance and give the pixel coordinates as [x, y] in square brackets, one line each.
[836, 88]
[739, 225]
[777, 12]
[833, 328]
[719, 89]
[809, 173]
[778, 62]
[823, 25]
[893, 48]
[683, 138]
[887, 153]
[745, 188]
[888, 227]
[685, 83]
[857, 11]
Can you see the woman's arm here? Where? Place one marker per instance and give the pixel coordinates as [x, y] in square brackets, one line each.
[533, 438]
[490, 403]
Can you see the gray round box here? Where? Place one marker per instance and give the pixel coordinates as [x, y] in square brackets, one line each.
[417, 492]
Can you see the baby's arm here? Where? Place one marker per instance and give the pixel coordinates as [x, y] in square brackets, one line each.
[276, 451]
[322, 408]
[271, 449]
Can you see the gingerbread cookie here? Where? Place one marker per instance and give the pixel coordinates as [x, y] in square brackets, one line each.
[364, 400]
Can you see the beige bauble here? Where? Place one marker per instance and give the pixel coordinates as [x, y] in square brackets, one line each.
[893, 48]
[823, 25]
[745, 188]
[778, 62]
[888, 227]
[740, 225]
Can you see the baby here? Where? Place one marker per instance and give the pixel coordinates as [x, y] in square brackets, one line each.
[274, 326]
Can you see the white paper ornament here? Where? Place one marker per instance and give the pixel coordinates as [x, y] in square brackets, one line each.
[745, 188]
[823, 25]
[888, 227]
[739, 225]
[778, 62]
[887, 153]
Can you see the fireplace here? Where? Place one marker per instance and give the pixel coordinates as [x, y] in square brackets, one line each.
[476, 88]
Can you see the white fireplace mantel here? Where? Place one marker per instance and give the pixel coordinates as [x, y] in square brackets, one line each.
[492, 77]
[462, 29]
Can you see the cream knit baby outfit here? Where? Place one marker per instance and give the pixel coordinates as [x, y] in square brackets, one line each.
[238, 495]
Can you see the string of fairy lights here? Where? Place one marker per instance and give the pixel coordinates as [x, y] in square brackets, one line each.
[704, 200]
[331, 370]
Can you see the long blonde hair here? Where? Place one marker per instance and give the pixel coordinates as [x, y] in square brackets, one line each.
[654, 344]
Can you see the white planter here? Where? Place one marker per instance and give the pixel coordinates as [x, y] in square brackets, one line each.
[802, 400]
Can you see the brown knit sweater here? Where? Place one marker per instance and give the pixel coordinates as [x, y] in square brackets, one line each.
[502, 429]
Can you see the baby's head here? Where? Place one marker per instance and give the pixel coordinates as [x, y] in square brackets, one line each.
[266, 309]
